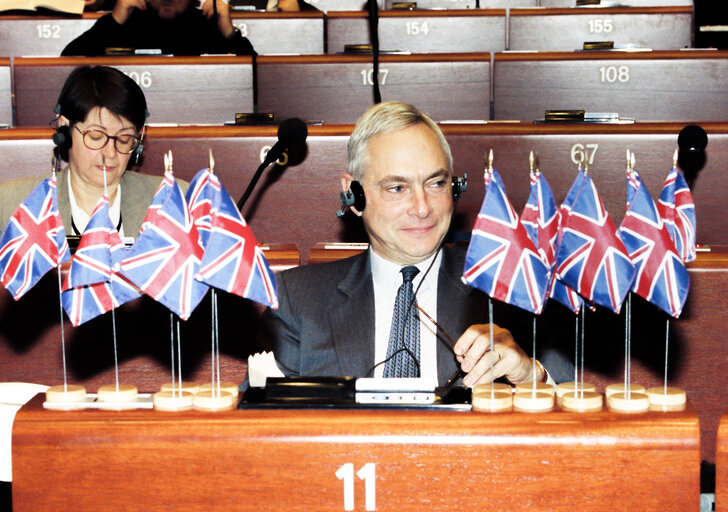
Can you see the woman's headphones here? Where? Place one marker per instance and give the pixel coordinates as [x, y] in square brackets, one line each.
[62, 139]
[355, 195]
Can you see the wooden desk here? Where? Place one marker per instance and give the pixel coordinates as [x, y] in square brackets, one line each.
[451, 31]
[269, 32]
[338, 88]
[721, 466]
[658, 86]
[178, 89]
[307, 460]
[6, 107]
[631, 3]
[566, 29]
[41, 36]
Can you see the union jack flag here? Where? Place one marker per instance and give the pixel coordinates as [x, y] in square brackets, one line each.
[591, 259]
[233, 260]
[502, 260]
[34, 240]
[167, 253]
[93, 285]
[661, 277]
[677, 210]
[199, 200]
[542, 220]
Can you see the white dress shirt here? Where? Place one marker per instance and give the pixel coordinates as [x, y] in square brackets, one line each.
[387, 279]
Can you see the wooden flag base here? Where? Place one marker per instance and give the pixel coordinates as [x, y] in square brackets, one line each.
[528, 401]
[568, 388]
[230, 387]
[637, 402]
[588, 401]
[190, 387]
[611, 389]
[541, 387]
[112, 394]
[667, 399]
[209, 401]
[497, 401]
[66, 394]
[177, 401]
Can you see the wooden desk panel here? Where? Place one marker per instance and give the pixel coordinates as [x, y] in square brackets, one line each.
[6, 107]
[288, 460]
[436, 31]
[626, 3]
[280, 32]
[26, 36]
[337, 89]
[342, 5]
[312, 177]
[41, 36]
[178, 89]
[653, 86]
[721, 466]
[659, 28]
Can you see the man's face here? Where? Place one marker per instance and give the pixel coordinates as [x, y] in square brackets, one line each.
[169, 9]
[409, 203]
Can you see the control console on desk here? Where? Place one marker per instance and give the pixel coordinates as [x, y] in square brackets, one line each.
[349, 459]
[211, 89]
[435, 31]
[611, 81]
[338, 88]
[568, 29]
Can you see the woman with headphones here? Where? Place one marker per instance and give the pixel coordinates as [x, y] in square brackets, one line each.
[101, 115]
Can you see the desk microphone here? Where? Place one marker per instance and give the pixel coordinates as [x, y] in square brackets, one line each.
[291, 134]
[691, 142]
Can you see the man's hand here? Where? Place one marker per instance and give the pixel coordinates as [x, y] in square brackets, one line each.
[123, 8]
[473, 353]
[224, 22]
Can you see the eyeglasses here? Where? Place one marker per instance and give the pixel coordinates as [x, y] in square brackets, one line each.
[96, 139]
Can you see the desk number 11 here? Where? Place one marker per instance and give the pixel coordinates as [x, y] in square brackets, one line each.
[366, 473]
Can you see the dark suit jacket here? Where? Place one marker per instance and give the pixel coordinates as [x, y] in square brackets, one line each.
[324, 325]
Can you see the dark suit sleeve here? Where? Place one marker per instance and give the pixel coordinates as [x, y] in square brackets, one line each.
[280, 331]
[104, 33]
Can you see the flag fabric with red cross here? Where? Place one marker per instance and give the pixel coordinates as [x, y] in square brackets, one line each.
[677, 210]
[34, 240]
[167, 253]
[591, 259]
[233, 260]
[542, 220]
[199, 198]
[661, 277]
[501, 260]
[93, 285]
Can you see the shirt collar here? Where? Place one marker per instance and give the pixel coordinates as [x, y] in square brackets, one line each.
[386, 274]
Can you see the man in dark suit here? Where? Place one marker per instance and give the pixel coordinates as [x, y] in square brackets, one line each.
[336, 318]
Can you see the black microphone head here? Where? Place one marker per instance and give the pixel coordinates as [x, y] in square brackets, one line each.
[692, 139]
[292, 132]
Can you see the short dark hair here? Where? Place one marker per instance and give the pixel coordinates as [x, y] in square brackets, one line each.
[88, 87]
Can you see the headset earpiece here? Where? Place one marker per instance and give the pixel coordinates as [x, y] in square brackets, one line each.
[137, 155]
[62, 138]
[352, 197]
[459, 185]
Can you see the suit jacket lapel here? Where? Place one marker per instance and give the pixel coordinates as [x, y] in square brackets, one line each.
[64, 201]
[451, 315]
[352, 321]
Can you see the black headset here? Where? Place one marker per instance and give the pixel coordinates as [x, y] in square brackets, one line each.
[355, 195]
[63, 140]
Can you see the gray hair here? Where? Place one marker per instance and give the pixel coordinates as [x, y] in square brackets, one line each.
[382, 118]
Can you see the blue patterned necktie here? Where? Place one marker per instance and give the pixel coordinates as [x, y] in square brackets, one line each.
[404, 338]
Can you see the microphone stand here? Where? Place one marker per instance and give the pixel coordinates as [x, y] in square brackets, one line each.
[252, 183]
[374, 36]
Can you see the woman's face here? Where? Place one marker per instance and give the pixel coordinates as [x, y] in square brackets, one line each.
[87, 165]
